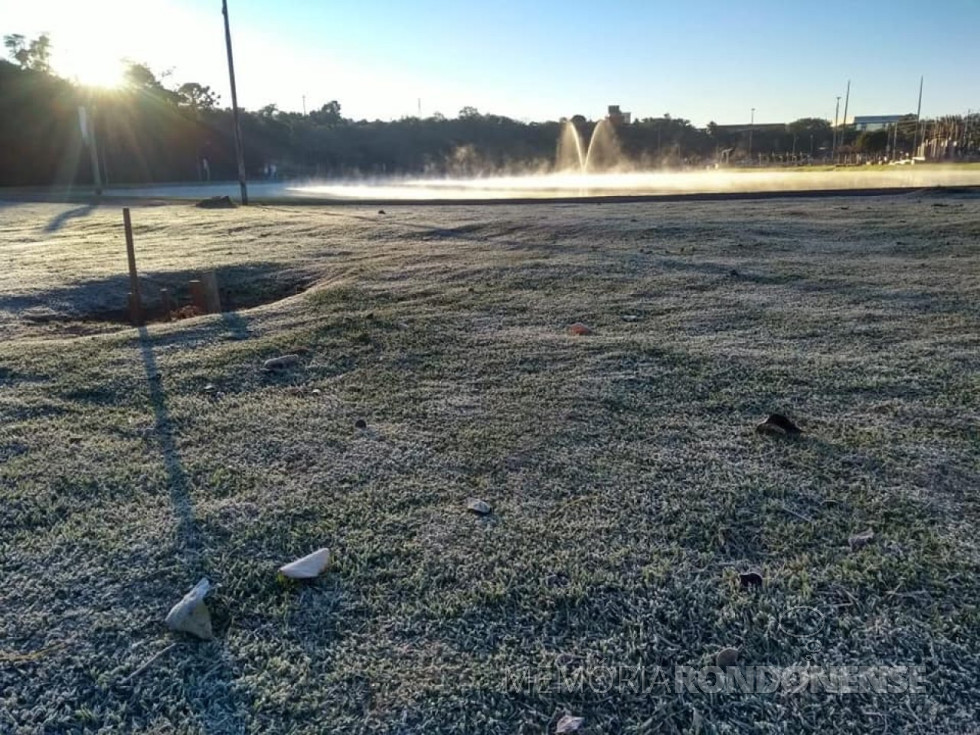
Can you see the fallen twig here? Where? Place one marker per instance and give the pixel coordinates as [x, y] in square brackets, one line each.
[796, 514]
[146, 664]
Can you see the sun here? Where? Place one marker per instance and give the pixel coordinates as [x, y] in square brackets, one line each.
[94, 70]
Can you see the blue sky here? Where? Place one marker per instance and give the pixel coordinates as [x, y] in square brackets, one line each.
[536, 60]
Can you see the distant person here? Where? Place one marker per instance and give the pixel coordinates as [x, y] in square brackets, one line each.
[205, 169]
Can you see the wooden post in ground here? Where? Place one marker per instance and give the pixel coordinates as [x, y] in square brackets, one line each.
[135, 305]
[212, 296]
[166, 304]
[198, 297]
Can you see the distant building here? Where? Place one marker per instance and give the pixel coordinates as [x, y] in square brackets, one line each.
[875, 122]
[617, 117]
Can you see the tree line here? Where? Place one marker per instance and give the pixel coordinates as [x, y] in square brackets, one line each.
[151, 131]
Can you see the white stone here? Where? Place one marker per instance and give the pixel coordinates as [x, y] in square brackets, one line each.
[191, 615]
[280, 363]
[479, 507]
[309, 567]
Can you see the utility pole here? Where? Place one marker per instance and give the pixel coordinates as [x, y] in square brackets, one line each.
[751, 127]
[239, 149]
[304, 105]
[843, 122]
[833, 140]
[918, 115]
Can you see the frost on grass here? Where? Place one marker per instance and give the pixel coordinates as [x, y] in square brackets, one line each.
[646, 523]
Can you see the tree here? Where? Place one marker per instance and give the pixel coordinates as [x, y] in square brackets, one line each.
[35, 55]
[808, 125]
[872, 141]
[196, 96]
[141, 77]
[469, 113]
[328, 115]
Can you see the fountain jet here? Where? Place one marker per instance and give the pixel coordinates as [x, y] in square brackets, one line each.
[603, 153]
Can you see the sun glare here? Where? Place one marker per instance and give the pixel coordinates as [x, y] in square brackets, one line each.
[94, 71]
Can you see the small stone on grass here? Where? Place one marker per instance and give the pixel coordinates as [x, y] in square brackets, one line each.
[191, 615]
[281, 363]
[860, 540]
[579, 330]
[568, 723]
[726, 657]
[480, 507]
[750, 579]
[308, 567]
[777, 424]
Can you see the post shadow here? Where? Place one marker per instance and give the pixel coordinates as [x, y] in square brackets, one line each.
[236, 323]
[213, 697]
[188, 539]
[58, 221]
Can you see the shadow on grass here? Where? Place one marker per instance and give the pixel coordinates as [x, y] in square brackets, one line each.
[187, 535]
[212, 695]
[58, 221]
[105, 299]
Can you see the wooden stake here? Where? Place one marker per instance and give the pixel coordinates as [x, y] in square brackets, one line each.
[135, 305]
[166, 304]
[198, 297]
[210, 280]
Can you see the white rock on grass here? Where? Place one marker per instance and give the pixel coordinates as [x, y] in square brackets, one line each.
[860, 540]
[280, 363]
[569, 724]
[479, 507]
[309, 567]
[191, 615]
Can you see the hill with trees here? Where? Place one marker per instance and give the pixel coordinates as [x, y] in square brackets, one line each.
[149, 131]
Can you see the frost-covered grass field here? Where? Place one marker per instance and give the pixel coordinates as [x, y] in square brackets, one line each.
[628, 486]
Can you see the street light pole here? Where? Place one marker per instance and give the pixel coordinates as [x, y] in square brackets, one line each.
[751, 127]
[239, 148]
